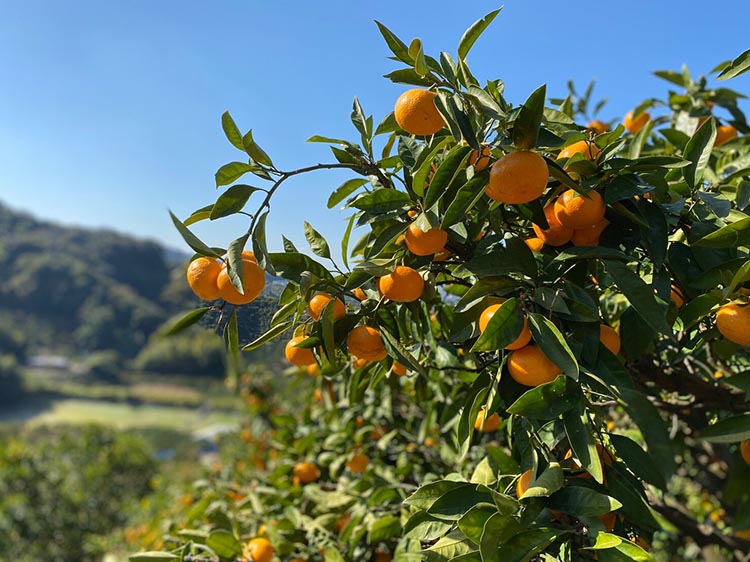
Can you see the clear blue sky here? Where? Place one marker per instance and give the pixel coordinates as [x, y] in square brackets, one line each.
[110, 111]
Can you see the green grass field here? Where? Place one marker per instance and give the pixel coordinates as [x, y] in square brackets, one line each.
[180, 404]
[126, 416]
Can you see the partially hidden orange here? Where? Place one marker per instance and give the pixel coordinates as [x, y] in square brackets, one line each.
[425, 243]
[557, 233]
[529, 366]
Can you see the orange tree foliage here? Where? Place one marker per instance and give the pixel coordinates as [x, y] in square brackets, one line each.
[628, 435]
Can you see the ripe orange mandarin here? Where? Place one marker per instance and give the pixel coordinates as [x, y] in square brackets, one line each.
[589, 150]
[320, 301]
[745, 450]
[733, 321]
[535, 244]
[202, 276]
[357, 463]
[300, 356]
[589, 236]
[523, 338]
[529, 366]
[442, 255]
[523, 483]
[579, 211]
[425, 243]
[417, 114]
[485, 423]
[599, 127]
[398, 369]
[306, 472]
[480, 159]
[360, 364]
[518, 177]
[365, 342]
[677, 296]
[724, 133]
[258, 549]
[633, 125]
[253, 279]
[403, 285]
[609, 338]
[557, 234]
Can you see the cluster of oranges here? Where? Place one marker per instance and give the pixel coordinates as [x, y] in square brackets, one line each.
[572, 216]
[209, 279]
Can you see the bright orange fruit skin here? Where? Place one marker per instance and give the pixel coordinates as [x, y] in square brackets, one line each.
[745, 450]
[398, 369]
[676, 295]
[306, 472]
[635, 125]
[253, 278]
[599, 127]
[557, 234]
[518, 177]
[417, 114]
[300, 356]
[403, 285]
[589, 236]
[535, 244]
[259, 550]
[523, 483]
[523, 338]
[589, 150]
[733, 321]
[202, 276]
[579, 211]
[425, 243]
[480, 159]
[609, 338]
[365, 342]
[320, 301]
[529, 366]
[486, 424]
[358, 463]
[724, 133]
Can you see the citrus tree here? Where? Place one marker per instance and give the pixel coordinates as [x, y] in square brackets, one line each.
[537, 350]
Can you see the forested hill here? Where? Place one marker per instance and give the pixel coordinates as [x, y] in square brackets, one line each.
[68, 289]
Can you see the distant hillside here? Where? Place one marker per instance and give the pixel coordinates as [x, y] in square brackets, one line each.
[73, 290]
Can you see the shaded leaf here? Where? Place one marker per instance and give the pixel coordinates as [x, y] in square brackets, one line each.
[547, 401]
[584, 502]
[553, 344]
[582, 442]
[503, 328]
[728, 430]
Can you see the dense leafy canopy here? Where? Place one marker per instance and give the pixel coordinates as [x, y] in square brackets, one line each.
[614, 445]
